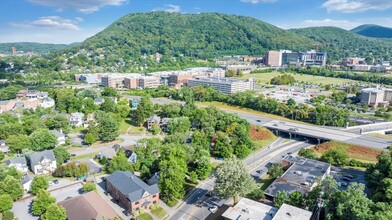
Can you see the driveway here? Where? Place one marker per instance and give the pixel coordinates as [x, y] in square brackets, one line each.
[22, 207]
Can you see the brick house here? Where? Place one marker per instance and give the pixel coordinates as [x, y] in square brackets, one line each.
[132, 192]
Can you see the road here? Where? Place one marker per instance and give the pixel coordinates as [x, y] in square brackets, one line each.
[305, 130]
[257, 161]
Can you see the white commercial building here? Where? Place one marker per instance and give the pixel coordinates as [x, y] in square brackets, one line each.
[376, 96]
[224, 85]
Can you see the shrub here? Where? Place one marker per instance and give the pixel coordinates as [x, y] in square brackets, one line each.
[89, 187]
[8, 215]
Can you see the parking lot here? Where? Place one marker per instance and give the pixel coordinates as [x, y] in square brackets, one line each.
[345, 177]
[22, 207]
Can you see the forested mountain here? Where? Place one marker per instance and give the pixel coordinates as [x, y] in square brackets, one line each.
[371, 30]
[38, 48]
[340, 43]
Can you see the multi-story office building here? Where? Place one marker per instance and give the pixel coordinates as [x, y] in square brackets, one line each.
[116, 80]
[273, 58]
[225, 85]
[376, 96]
[290, 58]
[313, 58]
[148, 82]
[131, 82]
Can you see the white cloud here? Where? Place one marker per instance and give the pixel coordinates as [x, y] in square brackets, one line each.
[169, 8]
[49, 22]
[55, 36]
[352, 6]
[258, 1]
[83, 6]
[345, 24]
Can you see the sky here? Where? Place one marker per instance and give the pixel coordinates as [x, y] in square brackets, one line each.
[69, 21]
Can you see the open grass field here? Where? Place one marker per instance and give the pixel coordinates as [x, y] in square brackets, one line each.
[144, 216]
[226, 107]
[159, 212]
[266, 78]
[364, 154]
[261, 137]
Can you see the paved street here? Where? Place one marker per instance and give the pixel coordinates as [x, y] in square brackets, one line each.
[189, 211]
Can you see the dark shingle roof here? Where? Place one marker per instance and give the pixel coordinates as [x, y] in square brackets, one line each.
[26, 178]
[16, 160]
[130, 185]
[39, 156]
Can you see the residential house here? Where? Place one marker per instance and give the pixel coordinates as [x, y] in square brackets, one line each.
[108, 153]
[90, 119]
[21, 94]
[93, 167]
[4, 147]
[19, 163]
[7, 105]
[154, 179]
[132, 192]
[88, 206]
[26, 182]
[131, 155]
[99, 101]
[154, 120]
[47, 102]
[60, 136]
[76, 119]
[43, 162]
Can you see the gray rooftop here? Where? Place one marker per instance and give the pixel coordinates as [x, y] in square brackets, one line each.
[288, 212]
[16, 160]
[36, 158]
[247, 209]
[26, 178]
[130, 185]
[57, 133]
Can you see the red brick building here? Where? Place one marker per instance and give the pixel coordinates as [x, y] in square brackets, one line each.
[132, 192]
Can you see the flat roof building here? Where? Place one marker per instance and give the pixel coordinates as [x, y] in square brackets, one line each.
[288, 212]
[376, 96]
[248, 209]
[224, 85]
[301, 175]
[273, 58]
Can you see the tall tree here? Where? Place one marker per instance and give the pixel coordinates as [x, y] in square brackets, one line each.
[41, 202]
[119, 162]
[19, 142]
[12, 187]
[281, 197]
[107, 127]
[54, 212]
[6, 202]
[39, 183]
[42, 139]
[233, 180]
[379, 178]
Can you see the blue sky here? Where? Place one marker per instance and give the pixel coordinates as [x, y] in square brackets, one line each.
[67, 21]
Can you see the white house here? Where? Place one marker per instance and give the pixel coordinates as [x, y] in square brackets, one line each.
[76, 119]
[43, 162]
[26, 182]
[60, 136]
[131, 155]
[47, 102]
[19, 163]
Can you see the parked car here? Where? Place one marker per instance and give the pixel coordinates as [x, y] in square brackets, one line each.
[348, 176]
[56, 181]
[73, 155]
[258, 120]
[259, 171]
[210, 194]
[213, 208]
[50, 183]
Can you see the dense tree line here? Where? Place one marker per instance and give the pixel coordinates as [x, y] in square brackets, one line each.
[284, 79]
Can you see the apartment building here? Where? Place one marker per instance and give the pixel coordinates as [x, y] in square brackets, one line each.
[273, 58]
[376, 96]
[148, 82]
[117, 80]
[224, 85]
[313, 58]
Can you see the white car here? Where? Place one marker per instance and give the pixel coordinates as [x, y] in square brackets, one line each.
[213, 209]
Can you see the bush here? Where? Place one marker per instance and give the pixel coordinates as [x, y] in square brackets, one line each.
[336, 156]
[89, 187]
[8, 215]
[1, 156]
[256, 195]
[357, 163]
[307, 153]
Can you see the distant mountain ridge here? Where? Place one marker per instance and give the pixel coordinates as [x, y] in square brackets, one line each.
[371, 30]
[340, 43]
[39, 48]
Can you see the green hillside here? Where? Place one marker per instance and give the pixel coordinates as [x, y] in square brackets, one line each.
[371, 30]
[5, 48]
[340, 43]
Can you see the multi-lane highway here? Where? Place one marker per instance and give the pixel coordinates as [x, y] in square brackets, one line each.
[255, 162]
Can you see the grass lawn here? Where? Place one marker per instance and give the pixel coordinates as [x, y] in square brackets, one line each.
[261, 137]
[227, 107]
[144, 216]
[172, 203]
[364, 154]
[265, 182]
[85, 156]
[266, 78]
[159, 212]
[79, 130]
[126, 125]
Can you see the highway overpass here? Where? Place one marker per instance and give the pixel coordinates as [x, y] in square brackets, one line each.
[380, 128]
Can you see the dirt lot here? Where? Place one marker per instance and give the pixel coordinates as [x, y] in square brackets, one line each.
[365, 154]
[259, 133]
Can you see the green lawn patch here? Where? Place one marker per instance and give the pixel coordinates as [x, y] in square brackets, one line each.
[144, 216]
[172, 202]
[265, 182]
[85, 156]
[266, 78]
[159, 212]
